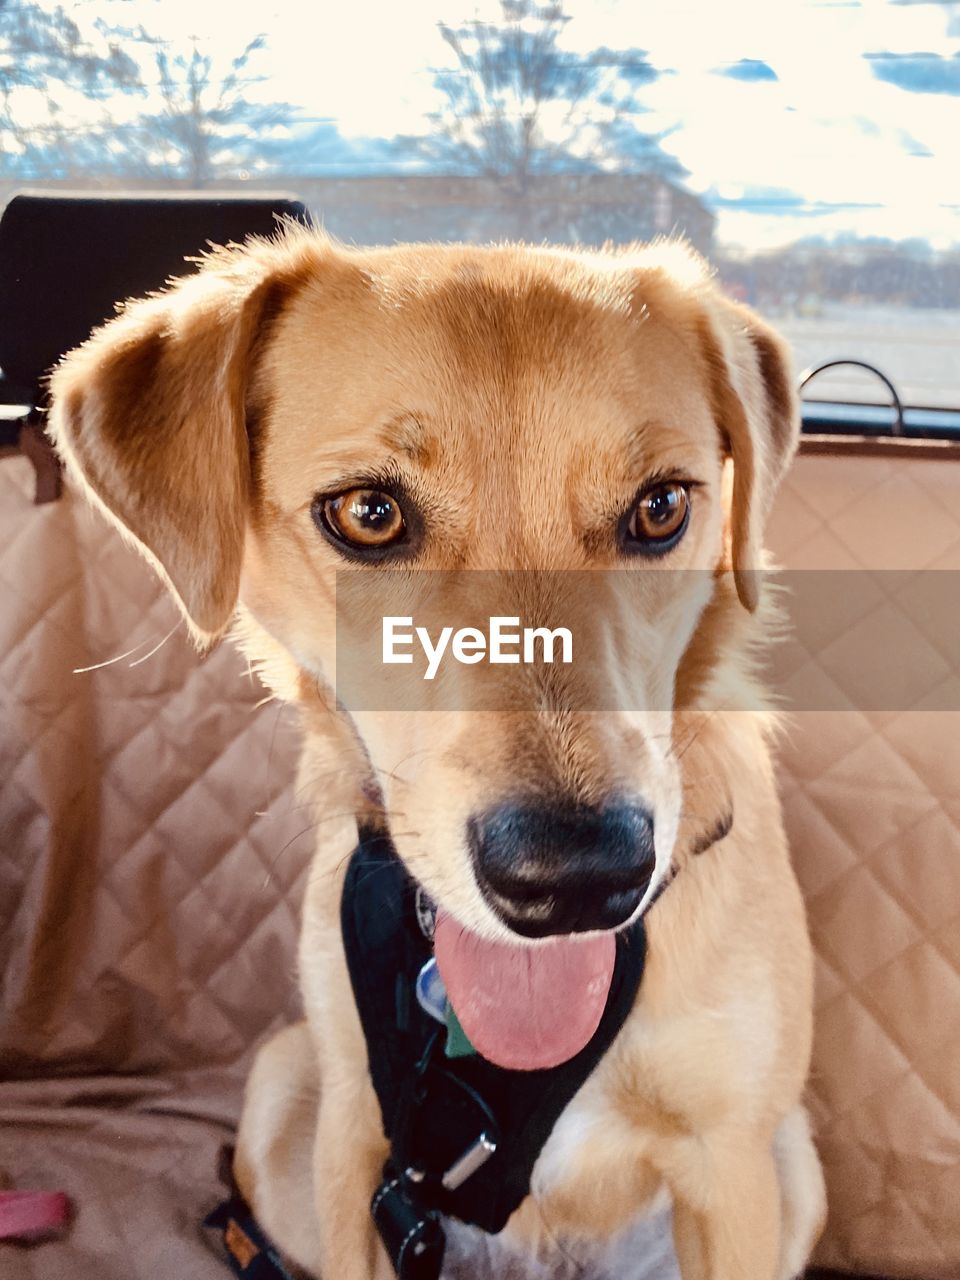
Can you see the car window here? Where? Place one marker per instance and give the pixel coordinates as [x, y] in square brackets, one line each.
[807, 147]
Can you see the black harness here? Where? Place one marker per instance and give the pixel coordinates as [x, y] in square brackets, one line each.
[464, 1134]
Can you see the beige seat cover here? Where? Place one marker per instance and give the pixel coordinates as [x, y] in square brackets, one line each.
[152, 859]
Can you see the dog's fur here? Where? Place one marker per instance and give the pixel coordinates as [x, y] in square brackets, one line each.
[524, 395]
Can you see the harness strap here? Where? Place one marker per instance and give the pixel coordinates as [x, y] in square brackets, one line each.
[464, 1134]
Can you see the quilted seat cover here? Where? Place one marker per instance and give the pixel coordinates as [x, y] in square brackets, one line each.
[872, 806]
[152, 861]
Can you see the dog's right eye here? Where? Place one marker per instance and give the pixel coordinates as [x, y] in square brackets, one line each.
[365, 519]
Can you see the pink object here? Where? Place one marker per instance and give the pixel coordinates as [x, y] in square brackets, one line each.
[525, 1007]
[25, 1215]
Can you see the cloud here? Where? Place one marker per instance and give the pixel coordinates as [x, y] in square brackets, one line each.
[749, 69]
[777, 202]
[913, 146]
[917, 72]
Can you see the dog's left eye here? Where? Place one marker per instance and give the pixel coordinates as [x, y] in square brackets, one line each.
[658, 519]
[363, 518]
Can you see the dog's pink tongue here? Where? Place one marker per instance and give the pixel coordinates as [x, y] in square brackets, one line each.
[525, 1008]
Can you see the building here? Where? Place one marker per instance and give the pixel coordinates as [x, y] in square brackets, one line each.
[586, 209]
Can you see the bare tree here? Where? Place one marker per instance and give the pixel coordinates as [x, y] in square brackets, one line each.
[518, 104]
[46, 64]
[199, 124]
[207, 125]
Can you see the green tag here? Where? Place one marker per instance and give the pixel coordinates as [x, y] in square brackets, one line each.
[458, 1046]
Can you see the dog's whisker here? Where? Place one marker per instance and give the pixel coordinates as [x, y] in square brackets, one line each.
[346, 770]
[317, 778]
[109, 662]
[157, 647]
[314, 826]
[279, 854]
[412, 835]
[308, 804]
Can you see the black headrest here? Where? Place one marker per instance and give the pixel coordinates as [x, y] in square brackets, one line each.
[65, 261]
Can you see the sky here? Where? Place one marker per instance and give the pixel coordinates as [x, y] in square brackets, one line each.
[793, 117]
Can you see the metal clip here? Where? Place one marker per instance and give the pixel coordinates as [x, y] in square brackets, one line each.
[472, 1159]
[426, 912]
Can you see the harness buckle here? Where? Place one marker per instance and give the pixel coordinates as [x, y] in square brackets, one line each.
[412, 1235]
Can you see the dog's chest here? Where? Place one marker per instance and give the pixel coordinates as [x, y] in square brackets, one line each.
[584, 1155]
[642, 1251]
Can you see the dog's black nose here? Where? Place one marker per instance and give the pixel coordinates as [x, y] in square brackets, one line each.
[549, 870]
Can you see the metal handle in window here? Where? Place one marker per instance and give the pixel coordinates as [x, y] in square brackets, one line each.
[808, 376]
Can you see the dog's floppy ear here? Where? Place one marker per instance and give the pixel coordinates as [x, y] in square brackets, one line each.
[757, 409]
[149, 415]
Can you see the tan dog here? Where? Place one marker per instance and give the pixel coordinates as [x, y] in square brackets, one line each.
[296, 408]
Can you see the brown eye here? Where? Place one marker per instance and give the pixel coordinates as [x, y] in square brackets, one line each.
[659, 519]
[364, 518]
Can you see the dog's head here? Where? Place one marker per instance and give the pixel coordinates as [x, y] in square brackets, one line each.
[295, 409]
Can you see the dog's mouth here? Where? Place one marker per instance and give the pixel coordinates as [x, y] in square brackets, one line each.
[525, 1007]
[562, 879]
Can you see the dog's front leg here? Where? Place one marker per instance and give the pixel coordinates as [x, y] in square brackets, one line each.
[726, 1213]
[347, 1159]
[349, 1147]
[803, 1195]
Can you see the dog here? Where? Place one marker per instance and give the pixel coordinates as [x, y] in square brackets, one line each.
[296, 408]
